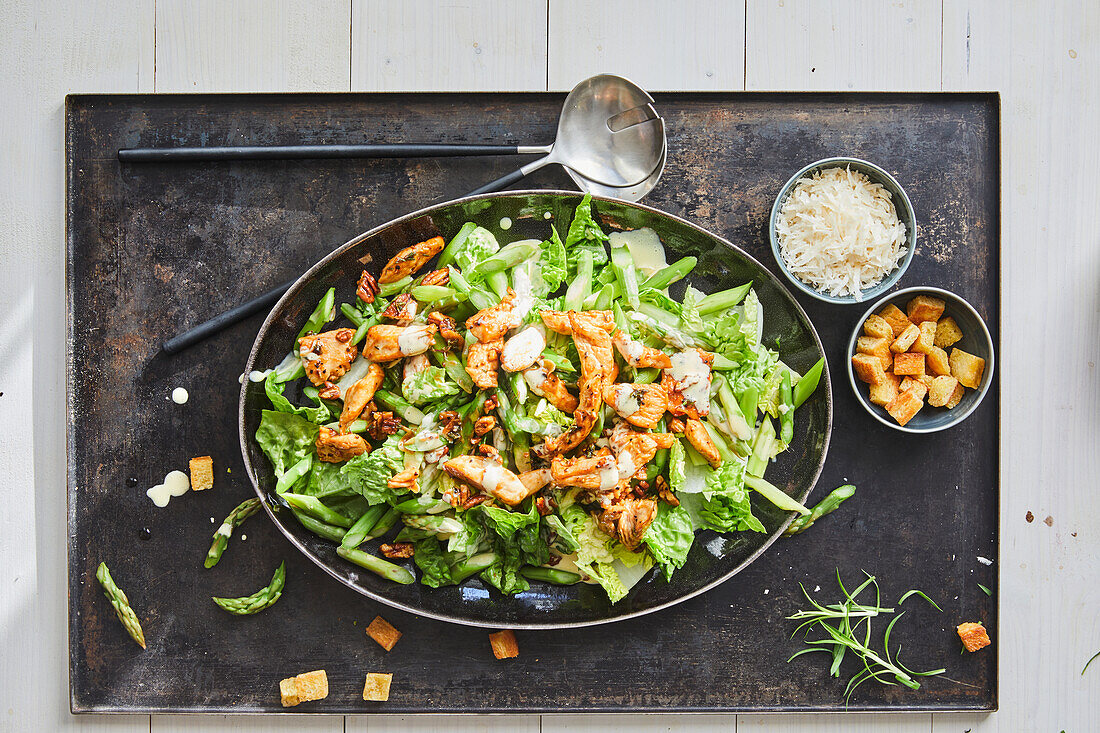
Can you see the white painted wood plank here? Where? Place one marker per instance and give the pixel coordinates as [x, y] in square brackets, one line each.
[48, 50]
[243, 46]
[246, 723]
[860, 44]
[659, 723]
[421, 45]
[442, 724]
[838, 723]
[687, 45]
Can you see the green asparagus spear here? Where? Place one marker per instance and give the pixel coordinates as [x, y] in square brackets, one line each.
[121, 604]
[808, 383]
[322, 314]
[786, 413]
[666, 276]
[258, 601]
[385, 524]
[312, 505]
[549, 575]
[830, 503]
[447, 256]
[388, 289]
[472, 566]
[319, 528]
[432, 522]
[244, 510]
[724, 299]
[359, 531]
[376, 565]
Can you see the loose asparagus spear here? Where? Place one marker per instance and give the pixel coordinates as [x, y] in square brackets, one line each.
[473, 565]
[236, 517]
[835, 498]
[376, 565]
[358, 532]
[786, 415]
[121, 604]
[549, 575]
[319, 528]
[258, 601]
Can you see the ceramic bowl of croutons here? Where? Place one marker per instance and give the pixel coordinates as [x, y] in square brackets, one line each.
[920, 360]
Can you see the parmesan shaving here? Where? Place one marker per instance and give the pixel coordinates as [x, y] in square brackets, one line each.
[839, 232]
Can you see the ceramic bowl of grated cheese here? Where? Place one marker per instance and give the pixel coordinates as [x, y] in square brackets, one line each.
[843, 230]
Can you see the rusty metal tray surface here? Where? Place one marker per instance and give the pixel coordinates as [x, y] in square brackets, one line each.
[154, 249]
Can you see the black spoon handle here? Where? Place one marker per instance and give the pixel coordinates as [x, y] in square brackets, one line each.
[299, 152]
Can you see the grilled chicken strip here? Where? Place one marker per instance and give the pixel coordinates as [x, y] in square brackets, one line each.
[410, 259]
[332, 447]
[489, 476]
[327, 356]
[482, 360]
[359, 396]
[638, 355]
[389, 343]
[641, 405]
[700, 439]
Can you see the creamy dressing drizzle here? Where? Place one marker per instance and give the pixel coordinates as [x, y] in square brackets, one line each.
[493, 476]
[627, 401]
[175, 483]
[179, 395]
[626, 465]
[692, 376]
[535, 378]
[609, 477]
[414, 340]
[255, 376]
[506, 223]
[645, 248]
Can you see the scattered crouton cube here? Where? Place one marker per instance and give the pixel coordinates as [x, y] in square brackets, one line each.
[202, 473]
[915, 386]
[909, 364]
[897, 320]
[924, 308]
[377, 687]
[383, 632]
[305, 687]
[878, 347]
[937, 360]
[878, 327]
[966, 368]
[947, 333]
[504, 644]
[907, 338]
[941, 390]
[925, 379]
[926, 340]
[956, 397]
[885, 391]
[974, 636]
[868, 368]
[904, 407]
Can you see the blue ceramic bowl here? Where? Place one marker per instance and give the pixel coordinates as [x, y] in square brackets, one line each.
[976, 340]
[901, 204]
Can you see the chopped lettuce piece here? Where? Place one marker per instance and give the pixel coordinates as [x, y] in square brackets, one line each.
[369, 474]
[585, 235]
[428, 386]
[726, 506]
[506, 523]
[553, 265]
[479, 246]
[285, 438]
[318, 415]
[669, 538]
[429, 557]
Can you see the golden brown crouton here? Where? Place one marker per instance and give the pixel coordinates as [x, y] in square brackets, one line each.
[305, 687]
[956, 397]
[897, 320]
[915, 386]
[974, 636]
[887, 390]
[904, 407]
[202, 473]
[947, 332]
[504, 644]
[907, 338]
[383, 632]
[909, 364]
[377, 687]
[941, 390]
[925, 379]
[878, 347]
[926, 340]
[966, 368]
[868, 368]
[878, 327]
[924, 308]
[938, 362]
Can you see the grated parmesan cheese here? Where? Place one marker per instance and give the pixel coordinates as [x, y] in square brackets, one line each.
[839, 232]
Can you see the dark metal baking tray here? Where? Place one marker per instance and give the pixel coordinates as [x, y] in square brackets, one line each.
[154, 249]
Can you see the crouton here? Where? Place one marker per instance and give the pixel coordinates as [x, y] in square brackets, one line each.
[907, 338]
[926, 340]
[915, 386]
[937, 360]
[878, 327]
[903, 407]
[925, 379]
[202, 473]
[383, 632]
[897, 320]
[941, 390]
[878, 347]
[377, 687]
[504, 644]
[956, 397]
[868, 368]
[947, 333]
[885, 391]
[305, 687]
[966, 368]
[909, 364]
[974, 636]
[924, 308]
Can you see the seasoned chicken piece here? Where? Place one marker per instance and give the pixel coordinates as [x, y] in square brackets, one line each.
[597, 472]
[638, 355]
[410, 259]
[489, 476]
[405, 479]
[327, 356]
[700, 439]
[634, 450]
[482, 360]
[495, 321]
[543, 382]
[390, 343]
[535, 479]
[448, 329]
[359, 396]
[401, 309]
[523, 349]
[688, 383]
[558, 321]
[629, 519]
[641, 405]
[414, 365]
[332, 447]
[591, 334]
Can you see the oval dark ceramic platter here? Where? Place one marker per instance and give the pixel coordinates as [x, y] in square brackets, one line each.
[714, 558]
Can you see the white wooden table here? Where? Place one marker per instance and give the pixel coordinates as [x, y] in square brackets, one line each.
[1044, 58]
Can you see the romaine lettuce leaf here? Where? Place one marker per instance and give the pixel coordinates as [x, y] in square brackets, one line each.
[479, 245]
[726, 506]
[669, 538]
[285, 438]
[506, 523]
[429, 557]
[318, 415]
[553, 264]
[585, 235]
[368, 474]
[428, 386]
